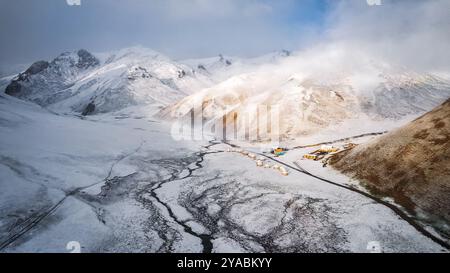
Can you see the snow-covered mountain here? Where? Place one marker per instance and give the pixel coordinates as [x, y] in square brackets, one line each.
[43, 81]
[87, 83]
[309, 90]
[313, 91]
[84, 83]
[404, 94]
[222, 67]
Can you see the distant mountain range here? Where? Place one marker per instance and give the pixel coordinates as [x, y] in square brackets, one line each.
[83, 83]
[313, 92]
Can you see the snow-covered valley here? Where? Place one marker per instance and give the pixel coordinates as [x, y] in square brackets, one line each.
[87, 155]
[123, 185]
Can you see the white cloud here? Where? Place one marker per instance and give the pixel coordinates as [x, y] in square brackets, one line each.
[410, 32]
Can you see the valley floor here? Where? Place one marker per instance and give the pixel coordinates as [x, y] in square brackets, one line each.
[120, 183]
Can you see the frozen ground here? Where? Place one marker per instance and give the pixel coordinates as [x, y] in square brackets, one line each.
[120, 183]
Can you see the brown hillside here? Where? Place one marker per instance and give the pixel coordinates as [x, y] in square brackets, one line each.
[411, 164]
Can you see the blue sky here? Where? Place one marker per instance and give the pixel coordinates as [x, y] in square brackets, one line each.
[179, 28]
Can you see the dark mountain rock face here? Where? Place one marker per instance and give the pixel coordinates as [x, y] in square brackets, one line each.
[90, 108]
[86, 59]
[285, 53]
[181, 74]
[13, 88]
[225, 61]
[37, 67]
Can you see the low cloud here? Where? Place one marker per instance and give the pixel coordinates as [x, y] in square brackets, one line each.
[412, 33]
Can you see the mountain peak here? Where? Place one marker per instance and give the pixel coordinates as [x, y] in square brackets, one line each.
[81, 59]
[86, 59]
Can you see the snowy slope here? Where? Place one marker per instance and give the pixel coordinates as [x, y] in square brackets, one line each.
[407, 93]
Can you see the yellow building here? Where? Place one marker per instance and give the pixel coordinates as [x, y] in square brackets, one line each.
[310, 156]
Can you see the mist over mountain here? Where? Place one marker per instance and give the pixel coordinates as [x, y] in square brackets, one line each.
[314, 90]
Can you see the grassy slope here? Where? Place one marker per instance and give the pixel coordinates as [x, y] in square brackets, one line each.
[411, 164]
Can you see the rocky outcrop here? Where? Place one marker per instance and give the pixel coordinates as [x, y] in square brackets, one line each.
[15, 87]
[90, 108]
[86, 59]
[222, 59]
[37, 67]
